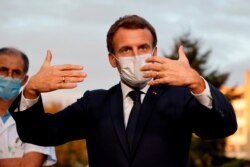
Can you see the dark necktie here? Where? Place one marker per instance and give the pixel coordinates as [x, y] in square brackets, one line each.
[131, 126]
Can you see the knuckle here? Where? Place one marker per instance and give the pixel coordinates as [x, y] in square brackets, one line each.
[165, 80]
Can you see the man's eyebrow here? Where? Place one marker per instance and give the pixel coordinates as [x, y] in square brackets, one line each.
[17, 70]
[3, 67]
[125, 47]
[144, 45]
[6, 68]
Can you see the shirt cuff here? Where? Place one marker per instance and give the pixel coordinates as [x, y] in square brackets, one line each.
[26, 103]
[205, 97]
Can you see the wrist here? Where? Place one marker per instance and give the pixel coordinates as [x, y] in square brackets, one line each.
[30, 91]
[198, 85]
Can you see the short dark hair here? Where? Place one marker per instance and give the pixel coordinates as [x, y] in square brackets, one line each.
[14, 51]
[129, 22]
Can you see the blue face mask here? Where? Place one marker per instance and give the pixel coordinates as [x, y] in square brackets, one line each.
[9, 87]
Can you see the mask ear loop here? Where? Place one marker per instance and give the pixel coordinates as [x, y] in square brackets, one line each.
[115, 56]
[152, 53]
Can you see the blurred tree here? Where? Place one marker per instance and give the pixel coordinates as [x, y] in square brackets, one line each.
[203, 153]
[71, 154]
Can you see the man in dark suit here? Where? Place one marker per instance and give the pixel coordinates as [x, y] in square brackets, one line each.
[144, 121]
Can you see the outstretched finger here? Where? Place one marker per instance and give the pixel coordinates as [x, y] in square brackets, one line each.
[48, 58]
[156, 59]
[182, 55]
[157, 81]
[152, 67]
[70, 67]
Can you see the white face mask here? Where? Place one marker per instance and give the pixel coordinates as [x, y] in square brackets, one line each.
[130, 72]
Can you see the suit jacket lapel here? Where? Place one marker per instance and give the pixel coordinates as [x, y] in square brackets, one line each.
[145, 113]
[116, 104]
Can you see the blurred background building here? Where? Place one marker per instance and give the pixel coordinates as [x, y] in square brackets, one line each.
[238, 145]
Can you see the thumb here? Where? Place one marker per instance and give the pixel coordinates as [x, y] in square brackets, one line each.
[48, 58]
[182, 55]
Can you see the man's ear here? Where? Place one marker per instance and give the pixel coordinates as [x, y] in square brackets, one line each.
[25, 79]
[112, 60]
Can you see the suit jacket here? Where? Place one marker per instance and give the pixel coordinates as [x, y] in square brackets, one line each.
[168, 117]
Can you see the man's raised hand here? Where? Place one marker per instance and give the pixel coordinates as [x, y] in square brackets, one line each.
[53, 77]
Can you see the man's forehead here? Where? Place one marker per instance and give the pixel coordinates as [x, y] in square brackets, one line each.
[11, 61]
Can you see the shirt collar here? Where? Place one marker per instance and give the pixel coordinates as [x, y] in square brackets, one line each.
[126, 89]
[5, 117]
